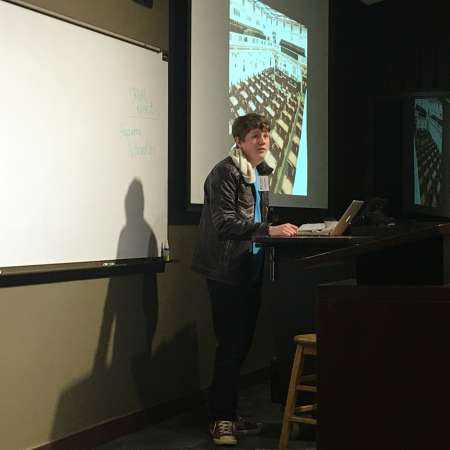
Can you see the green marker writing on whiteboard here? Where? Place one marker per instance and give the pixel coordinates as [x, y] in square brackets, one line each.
[165, 251]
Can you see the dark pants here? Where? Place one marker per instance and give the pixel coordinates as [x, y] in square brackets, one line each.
[234, 313]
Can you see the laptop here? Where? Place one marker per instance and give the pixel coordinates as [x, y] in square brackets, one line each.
[332, 228]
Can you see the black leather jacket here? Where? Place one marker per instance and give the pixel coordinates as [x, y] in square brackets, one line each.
[226, 225]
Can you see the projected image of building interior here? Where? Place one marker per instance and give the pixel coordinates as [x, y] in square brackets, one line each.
[268, 75]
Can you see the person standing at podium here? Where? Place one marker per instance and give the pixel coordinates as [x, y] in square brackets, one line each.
[234, 211]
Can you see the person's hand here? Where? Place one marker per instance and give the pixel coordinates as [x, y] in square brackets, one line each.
[284, 230]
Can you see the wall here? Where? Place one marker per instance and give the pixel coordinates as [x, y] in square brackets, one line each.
[378, 53]
[349, 82]
[408, 47]
[79, 353]
[120, 16]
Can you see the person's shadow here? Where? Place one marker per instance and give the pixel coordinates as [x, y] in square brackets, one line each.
[136, 239]
[126, 374]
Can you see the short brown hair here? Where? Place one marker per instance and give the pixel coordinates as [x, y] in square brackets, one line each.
[243, 124]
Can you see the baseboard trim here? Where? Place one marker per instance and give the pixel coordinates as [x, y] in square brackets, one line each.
[131, 423]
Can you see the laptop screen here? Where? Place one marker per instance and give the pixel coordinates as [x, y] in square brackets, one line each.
[347, 218]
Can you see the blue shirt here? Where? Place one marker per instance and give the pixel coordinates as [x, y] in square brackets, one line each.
[257, 213]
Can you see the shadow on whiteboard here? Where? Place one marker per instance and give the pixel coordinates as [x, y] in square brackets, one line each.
[128, 373]
[136, 237]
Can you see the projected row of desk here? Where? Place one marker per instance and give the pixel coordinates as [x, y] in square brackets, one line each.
[279, 97]
[429, 161]
[276, 96]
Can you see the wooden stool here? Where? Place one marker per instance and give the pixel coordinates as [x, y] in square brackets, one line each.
[306, 345]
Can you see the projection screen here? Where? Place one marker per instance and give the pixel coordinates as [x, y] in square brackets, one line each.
[268, 57]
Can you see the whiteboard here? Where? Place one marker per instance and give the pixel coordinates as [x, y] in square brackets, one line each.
[83, 143]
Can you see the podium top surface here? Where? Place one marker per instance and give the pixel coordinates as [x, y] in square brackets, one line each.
[325, 249]
[422, 231]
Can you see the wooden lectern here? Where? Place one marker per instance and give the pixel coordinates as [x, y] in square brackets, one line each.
[383, 343]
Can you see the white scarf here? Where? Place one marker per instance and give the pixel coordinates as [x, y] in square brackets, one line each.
[243, 164]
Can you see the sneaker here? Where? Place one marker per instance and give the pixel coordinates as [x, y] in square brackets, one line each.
[244, 426]
[222, 432]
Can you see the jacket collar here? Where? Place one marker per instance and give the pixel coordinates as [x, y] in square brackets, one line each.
[264, 168]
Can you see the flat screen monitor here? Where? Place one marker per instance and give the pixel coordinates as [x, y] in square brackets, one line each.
[426, 162]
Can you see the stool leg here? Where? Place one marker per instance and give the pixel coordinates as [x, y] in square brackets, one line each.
[291, 399]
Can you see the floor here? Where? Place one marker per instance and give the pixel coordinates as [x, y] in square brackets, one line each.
[189, 430]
